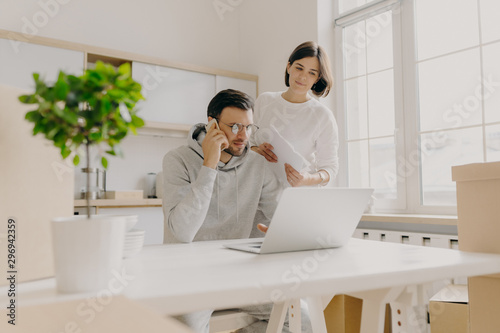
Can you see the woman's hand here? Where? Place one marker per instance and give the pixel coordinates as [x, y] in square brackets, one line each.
[297, 179]
[266, 150]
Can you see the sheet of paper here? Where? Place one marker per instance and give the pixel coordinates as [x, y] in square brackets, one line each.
[286, 154]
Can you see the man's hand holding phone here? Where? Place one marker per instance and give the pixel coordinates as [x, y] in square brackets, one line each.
[215, 141]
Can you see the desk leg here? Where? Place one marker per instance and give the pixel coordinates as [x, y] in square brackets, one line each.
[316, 314]
[277, 317]
[294, 316]
[374, 301]
[409, 313]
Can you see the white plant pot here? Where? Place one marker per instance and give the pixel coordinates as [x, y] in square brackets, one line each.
[87, 252]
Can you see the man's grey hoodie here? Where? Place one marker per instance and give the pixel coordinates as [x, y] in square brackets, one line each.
[200, 203]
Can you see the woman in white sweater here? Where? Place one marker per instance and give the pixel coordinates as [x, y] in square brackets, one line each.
[301, 119]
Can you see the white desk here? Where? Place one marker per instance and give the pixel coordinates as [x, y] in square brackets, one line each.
[182, 278]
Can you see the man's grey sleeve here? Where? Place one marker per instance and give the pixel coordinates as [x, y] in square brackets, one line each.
[185, 201]
[270, 194]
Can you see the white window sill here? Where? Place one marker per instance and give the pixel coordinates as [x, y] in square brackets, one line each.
[411, 218]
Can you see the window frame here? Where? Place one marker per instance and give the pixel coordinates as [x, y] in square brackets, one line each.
[405, 66]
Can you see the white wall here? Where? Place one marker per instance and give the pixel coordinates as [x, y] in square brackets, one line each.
[270, 30]
[177, 30]
[251, 36]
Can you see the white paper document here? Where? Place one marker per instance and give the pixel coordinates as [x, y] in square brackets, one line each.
[286, 154]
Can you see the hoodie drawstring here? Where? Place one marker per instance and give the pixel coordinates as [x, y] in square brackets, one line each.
[217, 181]
[237, 199]
[236, 173]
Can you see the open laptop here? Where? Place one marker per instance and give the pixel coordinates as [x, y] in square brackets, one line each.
[310, 218]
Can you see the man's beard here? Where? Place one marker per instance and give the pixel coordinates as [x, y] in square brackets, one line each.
[234, 152]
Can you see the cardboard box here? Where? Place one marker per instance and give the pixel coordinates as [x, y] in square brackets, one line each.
[127, 195]
[343, 315]
[448, 310]
[478, 208]
[484, 304]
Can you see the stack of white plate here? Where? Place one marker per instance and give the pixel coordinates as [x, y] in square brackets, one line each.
[131, 221]
[134, 240]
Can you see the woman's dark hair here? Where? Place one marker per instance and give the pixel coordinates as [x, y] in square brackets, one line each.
[312, 49]
[231, 98]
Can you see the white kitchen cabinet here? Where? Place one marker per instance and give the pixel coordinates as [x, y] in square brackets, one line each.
[179, 96]
[173, 95]
[18, 60]
[247, 86]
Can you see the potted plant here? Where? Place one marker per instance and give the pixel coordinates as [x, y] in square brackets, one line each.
[95, 109]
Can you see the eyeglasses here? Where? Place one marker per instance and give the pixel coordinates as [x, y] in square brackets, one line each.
[237, 128]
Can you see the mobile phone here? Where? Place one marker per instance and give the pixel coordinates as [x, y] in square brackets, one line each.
[209, 125]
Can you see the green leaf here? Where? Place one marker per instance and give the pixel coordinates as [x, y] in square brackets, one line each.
[133, 129]
[78, 139]
[52, 133]
[96, 79]
[124, 69]
[105, 105]
[61, 89]
[39, 127]
[137, 122]
[100, 67]
[70, 117]
[60, 139]
[49, 95]
[110, 70]
[120, 135]
[116, 94]
[57, 110]
[104, 162]
[33, 116]
[95, 136]
[65, 151]
[76, 160]
[28, 99]
[136, 95]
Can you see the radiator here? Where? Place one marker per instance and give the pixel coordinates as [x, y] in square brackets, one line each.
[413, 238]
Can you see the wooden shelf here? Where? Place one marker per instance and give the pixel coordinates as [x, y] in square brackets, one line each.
[120, 203]
[93, 58]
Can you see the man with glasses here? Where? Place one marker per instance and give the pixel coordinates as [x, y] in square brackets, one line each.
[217, 188]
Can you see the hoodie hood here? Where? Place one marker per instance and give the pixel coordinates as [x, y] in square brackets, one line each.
[195, 138]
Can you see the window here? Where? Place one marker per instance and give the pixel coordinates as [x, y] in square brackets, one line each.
[349, 5]
[418, 89]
